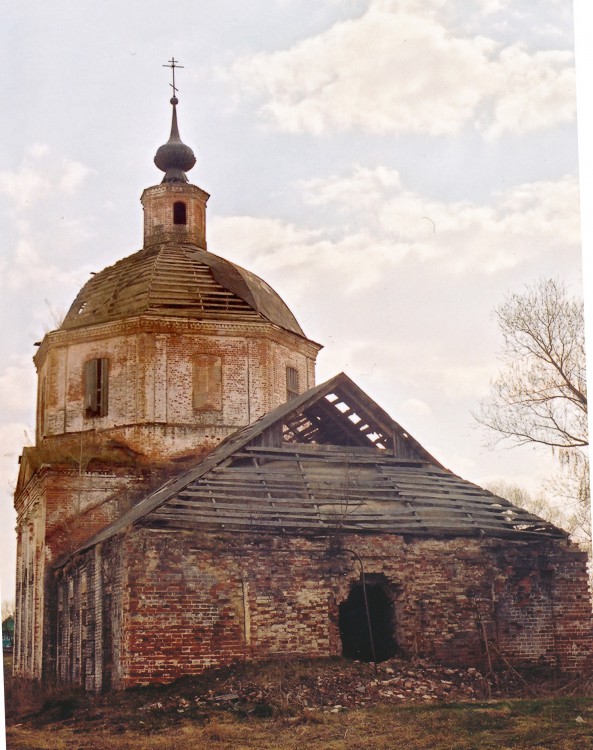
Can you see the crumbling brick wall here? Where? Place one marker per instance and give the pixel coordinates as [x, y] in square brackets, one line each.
[58, 509]
[90, 597]
[151, 364]
[188, 600]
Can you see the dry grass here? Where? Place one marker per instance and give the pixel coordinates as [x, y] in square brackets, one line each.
[152, 719]
[549, 724]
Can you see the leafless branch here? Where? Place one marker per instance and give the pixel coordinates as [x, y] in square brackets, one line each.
[540, 394]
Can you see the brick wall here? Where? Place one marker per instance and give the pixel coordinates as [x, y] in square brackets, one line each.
[151, 407]
[30, 580]
[89, 601]
[190, 599]
[157, 202]
[58, 509]
[151, 418]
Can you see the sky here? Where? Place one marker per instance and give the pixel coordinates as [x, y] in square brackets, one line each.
[393, 168]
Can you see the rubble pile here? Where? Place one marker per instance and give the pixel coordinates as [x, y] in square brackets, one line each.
[291, 689]
[334, 686]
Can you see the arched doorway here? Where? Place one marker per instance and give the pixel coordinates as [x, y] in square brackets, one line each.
[354, 629]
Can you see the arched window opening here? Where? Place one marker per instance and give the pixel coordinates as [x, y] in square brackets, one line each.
[179, 213]
[354, 629]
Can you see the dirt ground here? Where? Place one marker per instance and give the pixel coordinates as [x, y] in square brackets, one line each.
[327, 704]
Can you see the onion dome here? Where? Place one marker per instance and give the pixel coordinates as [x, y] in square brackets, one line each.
[174, 158]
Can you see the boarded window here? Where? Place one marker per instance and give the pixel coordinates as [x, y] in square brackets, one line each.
[179, 213]
[207, 385]
[96, 380]
[292, 383]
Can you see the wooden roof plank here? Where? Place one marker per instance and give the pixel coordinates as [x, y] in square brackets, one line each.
[467, 496]
[362, 510]
[346, 523]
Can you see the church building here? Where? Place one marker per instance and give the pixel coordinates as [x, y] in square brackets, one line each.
[194, 498]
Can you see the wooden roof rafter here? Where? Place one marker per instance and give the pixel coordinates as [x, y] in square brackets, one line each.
[279, 473]
[343, 417]
[296, 491]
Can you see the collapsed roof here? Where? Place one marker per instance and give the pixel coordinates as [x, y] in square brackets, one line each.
[328, 461]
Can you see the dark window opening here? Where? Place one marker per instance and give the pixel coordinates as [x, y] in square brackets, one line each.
[96, 381]
[354, 629]
[292, 383]
[179, 213]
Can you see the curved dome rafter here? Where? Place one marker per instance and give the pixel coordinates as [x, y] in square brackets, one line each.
[177, 280]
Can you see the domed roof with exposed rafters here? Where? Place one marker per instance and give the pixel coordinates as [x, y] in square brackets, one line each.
[178, 280]
[172, 276]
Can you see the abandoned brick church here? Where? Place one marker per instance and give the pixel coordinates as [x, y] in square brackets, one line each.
[193, 498]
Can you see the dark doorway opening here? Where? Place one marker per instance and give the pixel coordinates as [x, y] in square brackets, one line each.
[354, 629]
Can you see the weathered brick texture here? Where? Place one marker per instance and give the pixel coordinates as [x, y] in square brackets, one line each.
[151, 419]
[159, 225]
[151, 407]
[180, 350]
[60, 507]
[188, 600]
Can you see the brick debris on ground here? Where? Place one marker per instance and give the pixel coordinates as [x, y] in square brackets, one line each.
[337, 684]
[288, 688]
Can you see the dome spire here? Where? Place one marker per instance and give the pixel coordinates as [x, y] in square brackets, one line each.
[174, 158]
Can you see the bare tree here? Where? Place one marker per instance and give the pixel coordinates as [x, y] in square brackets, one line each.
[572, 491]
[7, 608]
[558, 502]
[540, 395]
[536, 503]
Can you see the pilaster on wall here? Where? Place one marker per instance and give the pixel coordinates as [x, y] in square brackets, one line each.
[59, 508]
[571, 603]
[152, 408]
[213, 598]
[30, 589]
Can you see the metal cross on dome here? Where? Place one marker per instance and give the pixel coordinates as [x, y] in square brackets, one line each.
[173, 63]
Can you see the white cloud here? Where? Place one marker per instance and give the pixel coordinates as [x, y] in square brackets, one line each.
[29, 268]
[17, 384]
[399, 286]
[428, 366]
[39, 174]
[371, 214]
[399, 69]
[37, 233]
[492, 6]
[24, 186]
[534, 91]
[416, 407]
[73, 174]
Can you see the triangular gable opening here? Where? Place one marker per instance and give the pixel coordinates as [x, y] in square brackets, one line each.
[329, 458]
[334, 420]
[341, 415]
